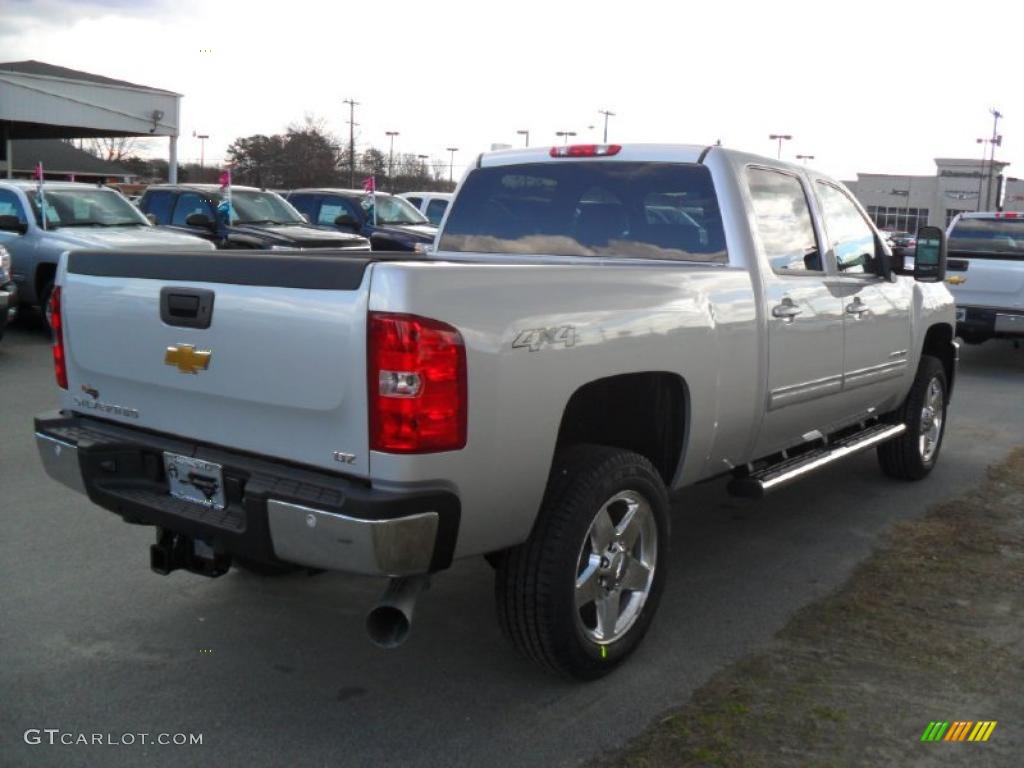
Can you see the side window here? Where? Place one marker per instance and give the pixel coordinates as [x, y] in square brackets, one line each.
[784, 222]
[330, 210]
[11, 206]
[304, 204]
[189, 203]
[159, 203]
[415, 201]
[435, 210]
[849, 235]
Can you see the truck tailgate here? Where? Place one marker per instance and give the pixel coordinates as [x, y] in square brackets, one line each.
[285, 375]
[988, 282]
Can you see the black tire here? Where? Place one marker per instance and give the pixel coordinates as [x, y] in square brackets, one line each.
[903, 458]
[44, 301]
[259, 568]
[536, 582]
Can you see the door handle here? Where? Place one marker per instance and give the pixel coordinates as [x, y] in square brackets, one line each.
[857, 307]
[786, 311]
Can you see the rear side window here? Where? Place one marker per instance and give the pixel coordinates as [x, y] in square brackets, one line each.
[189, 203]
[435, 210]
[159, 203]
[11, 206]
[784, 222]
[332, 208]
[589, 208]
[988, 238]
[303, 204]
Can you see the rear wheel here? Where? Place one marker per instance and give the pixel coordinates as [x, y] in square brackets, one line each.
[45, 290]
[912, 455]
[580, 593]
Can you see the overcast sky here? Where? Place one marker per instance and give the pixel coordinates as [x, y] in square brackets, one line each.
[868, 86]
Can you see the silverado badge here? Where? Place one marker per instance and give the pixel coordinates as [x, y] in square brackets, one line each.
[187, 359]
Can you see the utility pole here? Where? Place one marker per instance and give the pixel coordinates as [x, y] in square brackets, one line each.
[780, 137]
[391, 159]
[202, 149]
[805, 158]
[451, 165]
[526, 134]
[606, 114]
[352, 104]
[564, 135]
[993, 143]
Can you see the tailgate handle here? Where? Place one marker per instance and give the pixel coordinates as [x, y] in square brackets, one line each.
[186, 307]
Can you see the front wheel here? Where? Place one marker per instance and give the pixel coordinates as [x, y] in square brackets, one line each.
[912, 455]
[580, 593]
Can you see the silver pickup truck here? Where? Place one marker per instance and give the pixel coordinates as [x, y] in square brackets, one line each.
[598, 326]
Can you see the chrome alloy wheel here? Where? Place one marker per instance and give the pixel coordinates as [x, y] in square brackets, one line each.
[615, 569]
[931, 420]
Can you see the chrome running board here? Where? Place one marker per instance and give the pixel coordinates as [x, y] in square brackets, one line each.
[757, 484]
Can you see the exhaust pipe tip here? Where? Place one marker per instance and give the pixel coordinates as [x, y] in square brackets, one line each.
[388, 626]
[389, 623]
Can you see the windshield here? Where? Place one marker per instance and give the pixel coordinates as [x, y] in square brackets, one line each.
[630, 210]
[1003, 238]
[88, 207]
[253, 207]
[395, 210]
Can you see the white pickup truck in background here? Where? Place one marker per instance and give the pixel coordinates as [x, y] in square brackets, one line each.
[599, 326]
[986, 275]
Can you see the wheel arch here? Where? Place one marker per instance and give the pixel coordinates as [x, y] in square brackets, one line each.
[938, 343]
[646, 412]
[46, 272]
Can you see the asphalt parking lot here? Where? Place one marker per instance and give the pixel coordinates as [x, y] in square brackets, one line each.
[278, 671]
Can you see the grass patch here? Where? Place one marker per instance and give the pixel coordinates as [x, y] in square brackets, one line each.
[930, 627]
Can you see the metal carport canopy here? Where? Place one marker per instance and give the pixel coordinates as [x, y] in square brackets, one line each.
[44, 101]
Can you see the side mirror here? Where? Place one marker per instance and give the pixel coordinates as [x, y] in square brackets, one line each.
[930, 255]
[345, 221]
[305, 218]
[199, 220]
[151, 218]
[9, 223]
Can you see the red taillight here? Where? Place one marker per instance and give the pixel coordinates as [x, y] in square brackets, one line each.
[417, 384]
[1009, 215]
[586, 150]
[60, 367]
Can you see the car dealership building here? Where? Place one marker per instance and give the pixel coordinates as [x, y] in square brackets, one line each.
[904, 203]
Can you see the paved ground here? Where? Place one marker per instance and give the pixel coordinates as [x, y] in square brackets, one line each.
[92, 641]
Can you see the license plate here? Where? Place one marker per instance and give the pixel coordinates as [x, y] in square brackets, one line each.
[195, 480]
[961, 315]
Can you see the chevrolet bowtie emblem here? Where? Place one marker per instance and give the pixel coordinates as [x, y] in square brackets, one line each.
[187, 359]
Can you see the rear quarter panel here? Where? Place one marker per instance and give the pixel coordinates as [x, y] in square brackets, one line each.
[694, 321]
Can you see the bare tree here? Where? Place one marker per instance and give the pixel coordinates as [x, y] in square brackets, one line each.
[117, 148]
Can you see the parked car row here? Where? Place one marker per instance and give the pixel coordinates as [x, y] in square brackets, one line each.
[183, 217]
[259, 218]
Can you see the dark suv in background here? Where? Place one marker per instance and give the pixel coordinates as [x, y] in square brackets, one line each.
[396, 225]
[260, 219]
